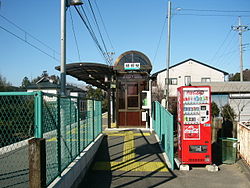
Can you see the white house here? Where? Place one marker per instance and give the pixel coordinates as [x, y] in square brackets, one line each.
[46, 85]
[186, 72]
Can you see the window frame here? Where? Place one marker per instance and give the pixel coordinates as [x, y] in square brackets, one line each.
[206, 79]
[187, 80]
[171, 81]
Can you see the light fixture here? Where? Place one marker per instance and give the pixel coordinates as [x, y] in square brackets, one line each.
[76, 2]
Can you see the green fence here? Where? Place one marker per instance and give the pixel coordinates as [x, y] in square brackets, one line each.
[68, 124]
[164, 128]
[16, 127]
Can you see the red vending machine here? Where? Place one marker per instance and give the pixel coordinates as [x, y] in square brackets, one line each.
[194, 125]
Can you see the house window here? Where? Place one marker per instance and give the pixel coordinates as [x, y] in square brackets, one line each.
[205, 79]
[173, 81]
[187, 80]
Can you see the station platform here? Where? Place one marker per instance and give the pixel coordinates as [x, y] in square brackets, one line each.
[128, 158]
[133, 159]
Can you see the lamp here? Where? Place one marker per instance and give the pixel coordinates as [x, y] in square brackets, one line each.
[76, 2]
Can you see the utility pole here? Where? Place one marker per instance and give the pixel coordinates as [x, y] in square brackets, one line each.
[168, 57]
[64, 5]
[63, 47]
[240, 28]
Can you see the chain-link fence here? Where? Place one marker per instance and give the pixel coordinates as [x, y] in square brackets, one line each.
[68, 125]
[16, 127]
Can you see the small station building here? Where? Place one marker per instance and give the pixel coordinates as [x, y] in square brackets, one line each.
[131, 70]
[127, 84]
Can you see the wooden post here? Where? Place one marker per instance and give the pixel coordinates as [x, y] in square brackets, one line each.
[37, 163]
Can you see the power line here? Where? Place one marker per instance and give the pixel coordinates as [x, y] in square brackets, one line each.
[213, 10]
[228, 51]
[221, 45]
[89, 28]
[30, 35]
[73, 29]
[91, 32]
[159, 39]
[32, 45]
[213, 15]
[98, 28]
[93, 35]
[26, 33]
[104, 26]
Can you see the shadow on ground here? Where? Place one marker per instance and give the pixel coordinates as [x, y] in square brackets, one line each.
[146, 149]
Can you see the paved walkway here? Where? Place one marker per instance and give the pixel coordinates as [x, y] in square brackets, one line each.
[133, 159]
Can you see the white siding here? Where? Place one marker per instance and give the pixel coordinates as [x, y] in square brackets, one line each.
[191, 68]
[51, 91]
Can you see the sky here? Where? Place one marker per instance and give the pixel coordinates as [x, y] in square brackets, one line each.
[30, 34]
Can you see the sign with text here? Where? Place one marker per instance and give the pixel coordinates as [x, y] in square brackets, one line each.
[132, 66]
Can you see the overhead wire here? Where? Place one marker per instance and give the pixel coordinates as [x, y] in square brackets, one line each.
[73, 29]
[212, 15]
[227, 53]
[31, 36]
[32, 45]
[221, 45]
[94, 37]
[99, 31]
[90, 30]
[104, 26]
[12, 23]
[158, 45]
[214, 10]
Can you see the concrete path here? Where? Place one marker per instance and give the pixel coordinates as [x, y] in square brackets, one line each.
[133, 159]
[128, 158]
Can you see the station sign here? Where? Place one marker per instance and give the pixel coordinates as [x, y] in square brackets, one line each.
[132, 66]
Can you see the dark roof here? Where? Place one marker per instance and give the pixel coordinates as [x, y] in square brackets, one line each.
[155, 74]
[48, 85]
[44, 85]
[91, 73]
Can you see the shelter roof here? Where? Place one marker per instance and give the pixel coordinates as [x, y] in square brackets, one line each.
[91, 73]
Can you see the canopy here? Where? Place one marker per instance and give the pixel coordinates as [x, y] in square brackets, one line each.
[91, 73]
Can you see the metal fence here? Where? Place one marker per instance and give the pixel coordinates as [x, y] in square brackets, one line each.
[16, 127]
[164, 128]
[244, 140]
[68, 124]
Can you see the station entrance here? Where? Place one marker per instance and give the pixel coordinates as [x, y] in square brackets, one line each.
[132, 78]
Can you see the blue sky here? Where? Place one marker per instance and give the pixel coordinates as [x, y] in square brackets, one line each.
[131, 25]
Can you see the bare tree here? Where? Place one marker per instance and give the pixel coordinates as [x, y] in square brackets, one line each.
[157, 93]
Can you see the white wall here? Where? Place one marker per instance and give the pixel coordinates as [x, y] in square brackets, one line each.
[191, 68]
[51, 91]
